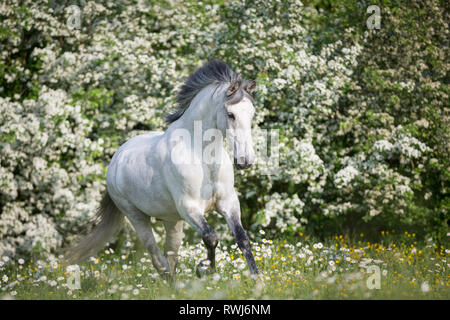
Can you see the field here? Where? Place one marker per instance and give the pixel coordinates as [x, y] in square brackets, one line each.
[396, 268]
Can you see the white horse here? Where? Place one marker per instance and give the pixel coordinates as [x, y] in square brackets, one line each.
[173, 176]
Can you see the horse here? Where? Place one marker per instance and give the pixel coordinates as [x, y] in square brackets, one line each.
[166, 175]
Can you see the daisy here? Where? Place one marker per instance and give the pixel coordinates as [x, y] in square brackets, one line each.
[425, 287]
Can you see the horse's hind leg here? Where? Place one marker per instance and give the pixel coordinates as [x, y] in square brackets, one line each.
[174, 237]
[143, 227]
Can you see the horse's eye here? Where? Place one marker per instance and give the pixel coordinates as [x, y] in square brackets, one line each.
[230, 115]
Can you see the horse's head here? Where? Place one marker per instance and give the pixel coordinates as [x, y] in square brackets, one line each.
[235, 118]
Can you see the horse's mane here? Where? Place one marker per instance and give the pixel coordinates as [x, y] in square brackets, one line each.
[213, 71]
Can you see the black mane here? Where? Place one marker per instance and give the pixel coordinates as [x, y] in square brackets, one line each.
[213, 71]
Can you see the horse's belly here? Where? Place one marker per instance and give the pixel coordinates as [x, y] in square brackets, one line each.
[146, 191]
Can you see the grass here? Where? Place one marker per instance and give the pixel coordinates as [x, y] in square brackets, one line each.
[334, 269]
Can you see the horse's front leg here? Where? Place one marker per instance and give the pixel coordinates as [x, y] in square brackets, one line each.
[229, 208]
[193, 215]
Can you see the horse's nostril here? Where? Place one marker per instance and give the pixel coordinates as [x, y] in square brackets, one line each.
[240, 161]
[242, 165]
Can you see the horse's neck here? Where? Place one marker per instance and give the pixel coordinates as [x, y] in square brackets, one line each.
[199, 117]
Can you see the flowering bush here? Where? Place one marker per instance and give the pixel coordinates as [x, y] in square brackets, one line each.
[361, 114]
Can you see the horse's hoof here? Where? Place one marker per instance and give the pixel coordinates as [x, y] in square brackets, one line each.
[204, 268]
[167, 277]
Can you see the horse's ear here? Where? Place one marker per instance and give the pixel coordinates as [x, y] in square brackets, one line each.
[251, 86]
[232, 88]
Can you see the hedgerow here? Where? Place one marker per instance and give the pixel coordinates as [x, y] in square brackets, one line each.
[362, 114]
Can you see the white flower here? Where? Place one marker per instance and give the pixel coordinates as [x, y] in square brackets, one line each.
[345, 176]
[425, 287]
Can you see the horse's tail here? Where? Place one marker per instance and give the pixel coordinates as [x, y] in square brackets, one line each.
[110, 221]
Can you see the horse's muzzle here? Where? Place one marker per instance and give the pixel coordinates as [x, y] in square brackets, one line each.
[242, 163]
